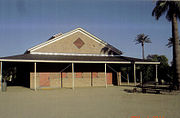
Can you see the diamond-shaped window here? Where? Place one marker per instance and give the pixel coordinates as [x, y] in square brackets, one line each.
[78, 43]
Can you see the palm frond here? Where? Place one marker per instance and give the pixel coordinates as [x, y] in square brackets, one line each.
[170, 42]
[161, 7]
[174, 8]
[147, 39]
[142, 38]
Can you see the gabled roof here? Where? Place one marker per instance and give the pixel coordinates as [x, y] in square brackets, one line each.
[59, 37]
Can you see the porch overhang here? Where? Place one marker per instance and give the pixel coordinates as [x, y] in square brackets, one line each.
[36, 58]
[75, 59]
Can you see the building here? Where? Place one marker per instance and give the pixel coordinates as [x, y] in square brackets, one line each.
[74, 59]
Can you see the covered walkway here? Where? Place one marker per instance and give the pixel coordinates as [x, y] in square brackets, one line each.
[91, 70]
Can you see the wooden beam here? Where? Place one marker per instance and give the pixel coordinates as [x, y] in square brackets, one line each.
[105, 76]
[134, 74]
[35, 79]
[73, 76]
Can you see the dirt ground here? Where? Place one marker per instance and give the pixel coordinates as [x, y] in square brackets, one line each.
[99, 102]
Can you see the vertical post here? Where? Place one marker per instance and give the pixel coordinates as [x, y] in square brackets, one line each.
[91, 79]
[118, 78]
[35, 76]
[134, 74]
[105, 76]
[1, 75]
[156, 79]
[128, 79]
[73, 76]
[127, 75]
[61, 85]
[141, 82]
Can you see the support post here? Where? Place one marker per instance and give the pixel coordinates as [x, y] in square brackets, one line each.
[105, 76]
[128, 79]
[1, 75]
[156, 79]
[91, 79]
[35, 76]
[119, 75]
[61, 85]
[118, 78]
[141, 81]
[127, 70]
[134, 74]
[73, 76]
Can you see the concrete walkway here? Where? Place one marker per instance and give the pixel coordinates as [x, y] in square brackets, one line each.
[99, 102]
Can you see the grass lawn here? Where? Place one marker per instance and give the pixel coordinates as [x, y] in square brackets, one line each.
[97, 102]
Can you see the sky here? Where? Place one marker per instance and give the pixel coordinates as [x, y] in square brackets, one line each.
[26, 23]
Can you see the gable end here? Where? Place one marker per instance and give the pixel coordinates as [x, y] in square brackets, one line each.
[80, 42]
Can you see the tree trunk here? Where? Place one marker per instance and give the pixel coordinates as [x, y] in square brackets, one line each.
[143, 50]
[176, 73]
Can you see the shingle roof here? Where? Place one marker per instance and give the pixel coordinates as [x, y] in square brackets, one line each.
[34, 57]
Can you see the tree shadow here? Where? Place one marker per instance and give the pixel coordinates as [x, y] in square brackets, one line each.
[110, 50]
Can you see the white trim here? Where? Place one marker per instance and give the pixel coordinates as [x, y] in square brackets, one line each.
[53, 61]
[73, 54]
[31, 49]
[65, 35]
[147, 62]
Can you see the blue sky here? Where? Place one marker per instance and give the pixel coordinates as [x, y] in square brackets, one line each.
[26, 23]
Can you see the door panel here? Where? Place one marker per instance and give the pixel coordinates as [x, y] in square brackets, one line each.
[109, 78]
[44, 80]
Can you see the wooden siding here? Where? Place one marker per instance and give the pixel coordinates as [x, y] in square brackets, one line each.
[84, 79]
[66, 45]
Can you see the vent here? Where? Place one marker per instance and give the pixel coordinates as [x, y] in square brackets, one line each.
[78, 43]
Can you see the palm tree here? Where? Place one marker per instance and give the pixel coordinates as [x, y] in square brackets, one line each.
[172, 9]
[170, 42]
[142, 39]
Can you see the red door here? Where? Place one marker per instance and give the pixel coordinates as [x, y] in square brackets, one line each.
[44, 80]
[109, 78]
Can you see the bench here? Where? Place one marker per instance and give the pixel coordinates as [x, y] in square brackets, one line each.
[157, 91]
[156, 88]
